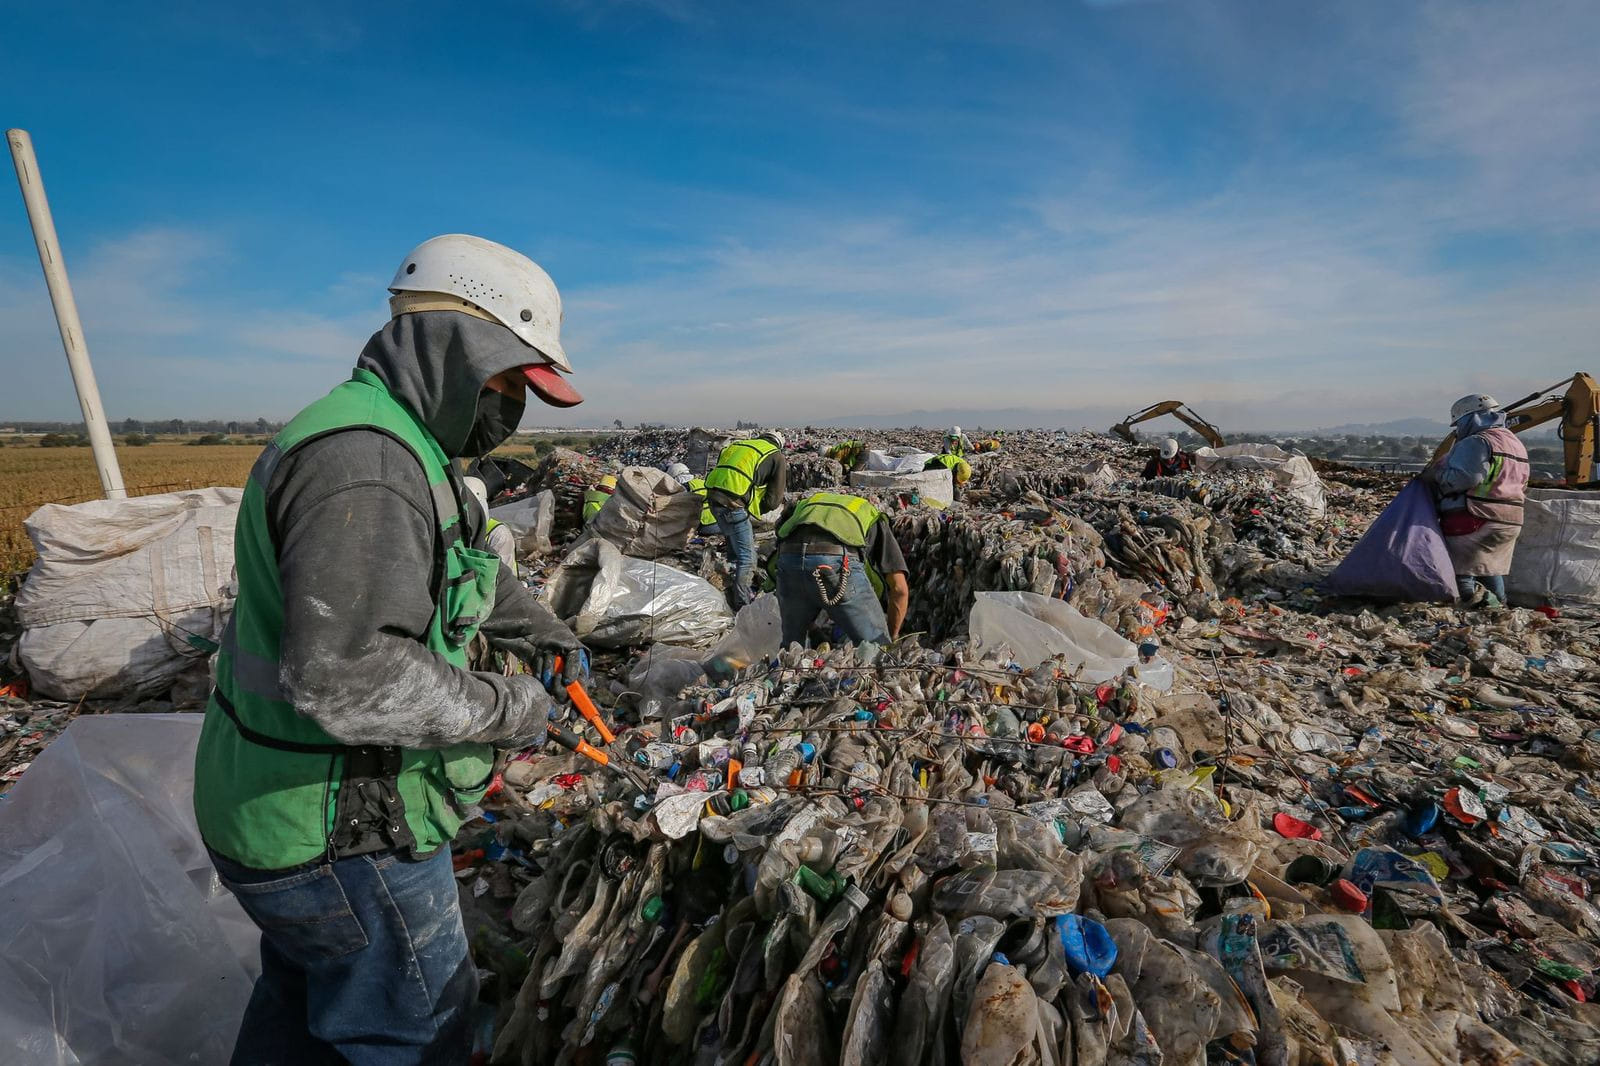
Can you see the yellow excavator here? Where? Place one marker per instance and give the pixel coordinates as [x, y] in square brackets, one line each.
[1579, 411]
[1176, 409]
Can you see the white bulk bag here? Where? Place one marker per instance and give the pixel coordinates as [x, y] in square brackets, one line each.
[126, 593]
[1557, 558]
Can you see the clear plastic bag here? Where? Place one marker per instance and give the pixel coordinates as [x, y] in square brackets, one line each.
[611, 600]
[121, 945]
[1036, 628]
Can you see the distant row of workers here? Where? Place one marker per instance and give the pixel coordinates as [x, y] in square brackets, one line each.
[836, 555]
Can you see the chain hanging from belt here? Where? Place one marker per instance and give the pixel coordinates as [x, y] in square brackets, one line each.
[833, 599]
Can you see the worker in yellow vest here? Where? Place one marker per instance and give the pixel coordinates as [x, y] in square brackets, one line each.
[597, 496]
[697, 485]
[750, 476]
[960, 469]
[849, 453]
[837, 554]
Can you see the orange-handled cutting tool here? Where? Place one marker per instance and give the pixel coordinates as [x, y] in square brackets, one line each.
[591, 713]
[574, 743]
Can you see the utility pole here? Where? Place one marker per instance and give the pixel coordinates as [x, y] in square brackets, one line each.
[55, 276]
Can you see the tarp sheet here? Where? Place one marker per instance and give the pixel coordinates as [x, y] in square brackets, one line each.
[117, 943]
[1402, 557]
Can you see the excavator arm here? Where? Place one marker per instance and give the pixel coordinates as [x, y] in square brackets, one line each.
[1579, 412]
[1176, 409]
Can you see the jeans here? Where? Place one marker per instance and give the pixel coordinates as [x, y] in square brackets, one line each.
[364, 961]
[1468, 585]
[734, 524]
[860, 615]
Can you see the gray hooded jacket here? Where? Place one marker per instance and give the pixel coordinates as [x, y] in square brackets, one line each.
[353, 521]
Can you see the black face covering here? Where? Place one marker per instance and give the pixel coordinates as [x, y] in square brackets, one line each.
[497, 418]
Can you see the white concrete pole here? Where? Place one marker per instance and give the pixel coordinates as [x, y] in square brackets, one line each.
[55, 276]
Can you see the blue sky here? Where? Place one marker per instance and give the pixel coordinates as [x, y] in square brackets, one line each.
[1287, 214]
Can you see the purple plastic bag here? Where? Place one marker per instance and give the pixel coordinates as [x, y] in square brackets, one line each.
[1401, 557]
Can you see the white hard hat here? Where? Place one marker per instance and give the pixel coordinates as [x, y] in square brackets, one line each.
[955, 431]
[496, 283]
[1471, 405]
[1169, 448]
[774, 436]
[479, 490]
[679, 472]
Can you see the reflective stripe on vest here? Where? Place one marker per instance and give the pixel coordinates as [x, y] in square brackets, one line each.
[269, 780]
[735, 472]
[846, 519]
[1499, 496]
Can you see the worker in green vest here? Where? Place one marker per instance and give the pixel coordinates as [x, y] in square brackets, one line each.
[750, 476]
[596, 497]
[960, 469]
[345, 738]
[837, 554]
[697, 485]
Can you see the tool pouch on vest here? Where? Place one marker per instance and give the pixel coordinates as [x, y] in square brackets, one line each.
[469, 591]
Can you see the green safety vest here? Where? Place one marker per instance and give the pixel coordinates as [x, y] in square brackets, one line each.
[959, 469]
[593, 500]
[268, 779]
[735, 472]
[697, 485]
[846, 519]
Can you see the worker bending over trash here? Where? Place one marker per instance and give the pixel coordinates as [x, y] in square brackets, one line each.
[837, 554]
[598, 494]
[849, 453]
[960, 469]
[697, 485]
[497, 535]
[956, 442]
[748, 474]
[345, 736]
[1481, 485]
[1169, 461]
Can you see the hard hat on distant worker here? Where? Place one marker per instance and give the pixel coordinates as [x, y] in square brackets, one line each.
[955, 431]
[1169, 448]
[479, 490]
[457, 272]
[679, 473]
[607, 482]
[774, 436]
[1471, 405]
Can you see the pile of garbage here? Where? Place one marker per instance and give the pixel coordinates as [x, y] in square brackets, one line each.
[907, 854]
[1261, 834]
[568, 475]
[1129, 791]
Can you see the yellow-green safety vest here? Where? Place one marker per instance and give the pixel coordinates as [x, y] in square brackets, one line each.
[735, 472]
[697, 485]
[846, 519]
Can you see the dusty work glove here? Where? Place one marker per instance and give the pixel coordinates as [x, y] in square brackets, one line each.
[527, 713]
[540, 643]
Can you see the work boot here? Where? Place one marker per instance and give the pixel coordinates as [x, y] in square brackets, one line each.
[1476, 600]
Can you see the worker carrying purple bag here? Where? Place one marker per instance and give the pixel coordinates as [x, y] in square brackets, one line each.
[1480, 486]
